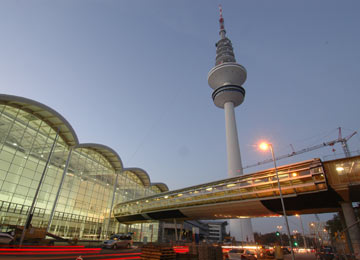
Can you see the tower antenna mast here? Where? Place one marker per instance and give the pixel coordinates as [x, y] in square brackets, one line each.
[221, 21]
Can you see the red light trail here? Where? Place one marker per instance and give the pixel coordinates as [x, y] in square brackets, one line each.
[52, 253]
[29, 246]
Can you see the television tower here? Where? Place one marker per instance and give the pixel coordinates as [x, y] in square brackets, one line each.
[226, 79]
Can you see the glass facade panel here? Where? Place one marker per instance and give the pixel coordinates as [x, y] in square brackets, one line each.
[83, 208]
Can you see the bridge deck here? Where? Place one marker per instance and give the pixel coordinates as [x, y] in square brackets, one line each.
[310, 185]
[300, 178]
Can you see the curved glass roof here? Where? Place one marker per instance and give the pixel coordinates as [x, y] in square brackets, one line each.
[141, 174]
[111, 156]
[45, 113]
[68, 135]
[162, 186]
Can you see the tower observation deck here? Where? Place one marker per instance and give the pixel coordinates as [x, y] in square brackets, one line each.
[226, 79]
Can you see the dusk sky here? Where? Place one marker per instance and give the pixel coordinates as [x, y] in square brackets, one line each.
[132, 75]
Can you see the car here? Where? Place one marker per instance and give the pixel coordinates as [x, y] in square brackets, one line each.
[6, 238]
[286, 250]
[266, 252]
[118, 241]
[241, 254]
[325, 253]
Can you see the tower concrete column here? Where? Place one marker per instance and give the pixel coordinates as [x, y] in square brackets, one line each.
[241, 229]
[352, 226]
[232, 142]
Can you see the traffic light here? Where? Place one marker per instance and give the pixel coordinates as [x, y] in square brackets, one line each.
[295, 243]
[277, 233]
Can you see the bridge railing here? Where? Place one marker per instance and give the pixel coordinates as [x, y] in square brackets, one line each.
[302, 177]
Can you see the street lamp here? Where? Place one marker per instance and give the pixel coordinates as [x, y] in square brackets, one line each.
[280, 228]
[313, 233]
[265, 146]
[302, 229]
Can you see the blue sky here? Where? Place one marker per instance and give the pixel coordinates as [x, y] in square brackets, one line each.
[132, 75]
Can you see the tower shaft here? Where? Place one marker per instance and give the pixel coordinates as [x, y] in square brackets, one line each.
[241, 229]
[232, 142]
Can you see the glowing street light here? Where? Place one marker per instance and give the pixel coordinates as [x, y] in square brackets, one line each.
[280, 228]
[302, 229]
[266, 146]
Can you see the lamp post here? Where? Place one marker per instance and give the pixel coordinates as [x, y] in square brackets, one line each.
[302, 229]
[280, 228]
[312, 228]
[325, 237]
[265, 146]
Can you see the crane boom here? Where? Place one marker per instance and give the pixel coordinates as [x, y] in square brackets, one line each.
[341, 140]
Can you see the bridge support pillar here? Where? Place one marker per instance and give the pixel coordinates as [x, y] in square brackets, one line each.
[176, 233]
[161, 232]
[352, 226]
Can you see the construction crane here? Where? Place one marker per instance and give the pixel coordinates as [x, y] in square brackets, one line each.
[340, 139]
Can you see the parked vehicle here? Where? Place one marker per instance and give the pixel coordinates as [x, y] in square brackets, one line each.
[11, 234]
[286, 250]
[32, 235]
[118, 241]
[325, 253]
[6, 238]
[241, 254]
[266, 252]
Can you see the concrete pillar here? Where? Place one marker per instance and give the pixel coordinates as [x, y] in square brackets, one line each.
[141, 232]
[241, 229]
[232, 142]
[181, 231]
[175, 225]
[161, 232]
[346, 232]
[354, 232]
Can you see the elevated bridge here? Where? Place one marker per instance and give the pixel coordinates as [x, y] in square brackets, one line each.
[310, 186]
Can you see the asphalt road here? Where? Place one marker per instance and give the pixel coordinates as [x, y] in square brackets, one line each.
[301, 256]
[69, 254]
[72, 253]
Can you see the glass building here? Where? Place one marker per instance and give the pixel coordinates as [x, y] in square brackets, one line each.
[66, 187]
